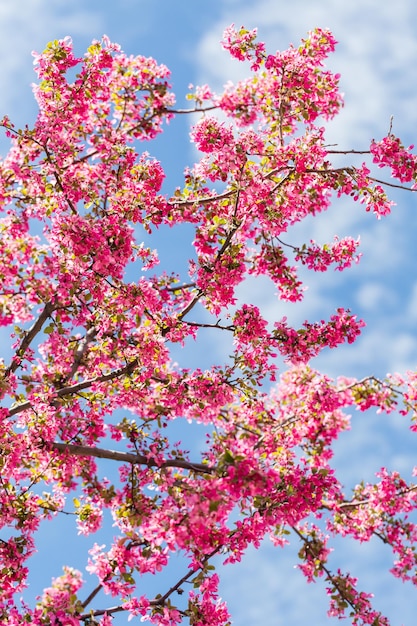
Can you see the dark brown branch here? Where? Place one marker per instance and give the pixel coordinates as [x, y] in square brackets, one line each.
[224, 247]
[92, 595]
[80, 352]
[205, 200]
[356, 504]
[329, 576]
[216, 325]
[128, 457]
[191, 305]
[28, 338]
[387, 184]
[85, 384]
[348, 151]
[371, 379]
[352, 170]
[179, 287]
[88, 616]
[59, 181]
[195, 110]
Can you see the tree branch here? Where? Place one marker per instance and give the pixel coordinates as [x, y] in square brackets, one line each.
[129, 457]
[85, 384]
[387, 184]
[348, 151]
[80, 352]
[216, 325]
[28, 338]
[205, 200]
[195, 110]
[92, 595]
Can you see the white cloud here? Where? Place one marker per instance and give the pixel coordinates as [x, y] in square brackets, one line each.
[372, 295]
[411, 311]
[266, 588]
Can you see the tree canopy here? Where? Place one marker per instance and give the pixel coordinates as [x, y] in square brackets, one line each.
[91, 325]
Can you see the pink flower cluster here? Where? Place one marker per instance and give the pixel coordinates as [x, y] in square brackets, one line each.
[340, 251]
[242, 45]
[389, 152]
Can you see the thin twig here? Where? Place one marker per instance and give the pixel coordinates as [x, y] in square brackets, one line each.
[92, 595]
[387, 184]
[205, 200]
[159, 601]
[217, 325]
[179, 287]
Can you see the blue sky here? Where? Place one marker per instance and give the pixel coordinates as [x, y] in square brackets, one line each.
[377, 59]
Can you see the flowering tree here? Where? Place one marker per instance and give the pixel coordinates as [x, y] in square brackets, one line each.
[91, 343]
